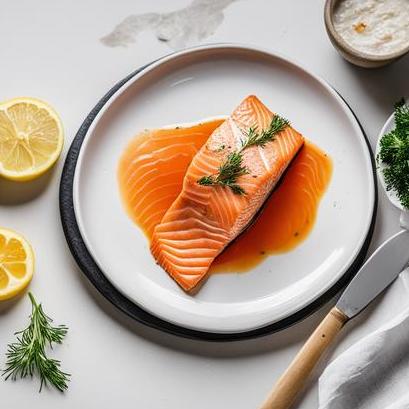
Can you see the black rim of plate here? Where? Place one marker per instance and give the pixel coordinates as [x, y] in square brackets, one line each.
[91, 270]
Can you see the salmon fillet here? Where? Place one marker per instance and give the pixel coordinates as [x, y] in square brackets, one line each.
[203, 220]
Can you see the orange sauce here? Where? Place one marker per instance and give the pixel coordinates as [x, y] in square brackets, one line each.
[152, 167]
[150, 177]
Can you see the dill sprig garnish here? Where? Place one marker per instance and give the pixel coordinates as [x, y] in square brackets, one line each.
[254, 138]
[228, 174]
[27, 356]
[232, 168]
[394, 153]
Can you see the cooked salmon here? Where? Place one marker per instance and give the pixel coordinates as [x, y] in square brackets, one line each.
[203, 220]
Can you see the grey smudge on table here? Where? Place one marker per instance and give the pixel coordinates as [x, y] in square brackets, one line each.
[178, 29]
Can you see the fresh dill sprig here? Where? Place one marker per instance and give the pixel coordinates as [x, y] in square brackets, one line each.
[228, 174]
[254, 138]
[27, 356]
[394, 153]
[233, 168]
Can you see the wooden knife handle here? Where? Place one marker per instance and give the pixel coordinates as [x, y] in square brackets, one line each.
[291, 382]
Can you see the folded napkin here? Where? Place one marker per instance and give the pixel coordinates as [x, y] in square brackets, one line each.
[374, 372]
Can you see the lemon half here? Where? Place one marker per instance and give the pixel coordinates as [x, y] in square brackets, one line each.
[16, 263]
[31, 138]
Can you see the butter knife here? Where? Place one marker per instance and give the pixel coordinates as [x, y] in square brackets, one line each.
[379, 271]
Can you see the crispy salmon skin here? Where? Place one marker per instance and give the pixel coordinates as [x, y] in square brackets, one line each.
[203, 220]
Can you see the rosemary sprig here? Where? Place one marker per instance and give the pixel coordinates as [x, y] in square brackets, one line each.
[27, 356]
[232, 168]
[394, 153]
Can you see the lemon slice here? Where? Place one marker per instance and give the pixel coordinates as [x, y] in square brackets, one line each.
[31, 138]
[16, 263]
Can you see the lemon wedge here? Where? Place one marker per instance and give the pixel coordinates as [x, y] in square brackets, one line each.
[16, 263]
[31, 138]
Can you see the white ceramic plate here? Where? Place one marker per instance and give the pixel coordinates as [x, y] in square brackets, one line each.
[389, 126]
[204, 82]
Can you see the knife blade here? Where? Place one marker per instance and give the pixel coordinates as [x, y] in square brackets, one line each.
[379, 271]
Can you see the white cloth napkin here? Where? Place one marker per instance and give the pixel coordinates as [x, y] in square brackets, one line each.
[374, 372]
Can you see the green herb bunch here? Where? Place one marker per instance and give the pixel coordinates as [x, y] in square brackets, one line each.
[394, 153]
[232, 168]
[27, 356]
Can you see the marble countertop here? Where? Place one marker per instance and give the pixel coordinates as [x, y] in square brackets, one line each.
[70, 54]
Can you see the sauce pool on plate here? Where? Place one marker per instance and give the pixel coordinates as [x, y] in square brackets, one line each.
[152, 168]
[150, 177]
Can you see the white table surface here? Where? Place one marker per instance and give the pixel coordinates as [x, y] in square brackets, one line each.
[51, 49]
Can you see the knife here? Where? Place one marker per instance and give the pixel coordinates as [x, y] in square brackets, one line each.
[379, 271]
